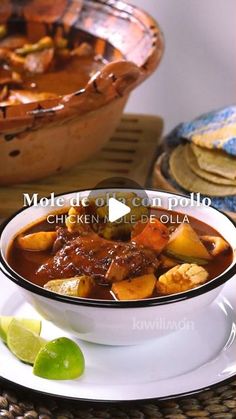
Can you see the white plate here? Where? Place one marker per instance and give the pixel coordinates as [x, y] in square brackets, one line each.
[197, 357]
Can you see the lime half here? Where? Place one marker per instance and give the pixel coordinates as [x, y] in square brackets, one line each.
[31, 324]
[60, 359]
[23, 343]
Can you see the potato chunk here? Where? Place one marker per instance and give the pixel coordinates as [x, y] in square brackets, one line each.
[184, 244]
[85, 287]
[219, 245]
[72, 287]
[181, 278]
[135, 289]
[37, 242]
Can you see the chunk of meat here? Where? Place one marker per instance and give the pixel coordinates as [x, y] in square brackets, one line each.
[39, 62]
[181, 278]
[63, 236]
[91, 255]
[117, 271]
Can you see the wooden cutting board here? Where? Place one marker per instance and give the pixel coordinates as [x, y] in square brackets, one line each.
[129, 153]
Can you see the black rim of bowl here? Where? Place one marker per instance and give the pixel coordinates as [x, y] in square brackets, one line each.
[157, 301]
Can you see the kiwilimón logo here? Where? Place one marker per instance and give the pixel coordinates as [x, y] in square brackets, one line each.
[163, 324]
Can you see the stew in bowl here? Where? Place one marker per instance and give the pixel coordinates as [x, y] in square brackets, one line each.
[79, 253]
[105, 283]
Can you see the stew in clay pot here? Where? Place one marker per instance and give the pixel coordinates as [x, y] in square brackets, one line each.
[45, 69]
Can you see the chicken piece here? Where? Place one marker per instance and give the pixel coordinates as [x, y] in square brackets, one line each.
[91, 255]
[72, 287]
[63, 237]
[135, 288]
[154, 235]
[218, 245]
[117, 271]
[40, 241]
[181, 278]
[39, 62]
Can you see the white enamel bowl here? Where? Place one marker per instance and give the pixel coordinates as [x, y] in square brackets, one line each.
[112, 322]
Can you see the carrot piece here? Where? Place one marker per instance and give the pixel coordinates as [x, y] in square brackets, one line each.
[154, 236]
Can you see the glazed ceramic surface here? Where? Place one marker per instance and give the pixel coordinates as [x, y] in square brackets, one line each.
[114, 322]
[46, 137]
[198, 355]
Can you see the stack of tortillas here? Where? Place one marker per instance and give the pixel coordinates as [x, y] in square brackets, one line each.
[191, 164]
[209, 172]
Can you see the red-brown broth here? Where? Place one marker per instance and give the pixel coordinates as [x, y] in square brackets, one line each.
[26, 263]
[64, 76]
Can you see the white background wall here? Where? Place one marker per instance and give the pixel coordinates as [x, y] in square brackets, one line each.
[198, 71]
